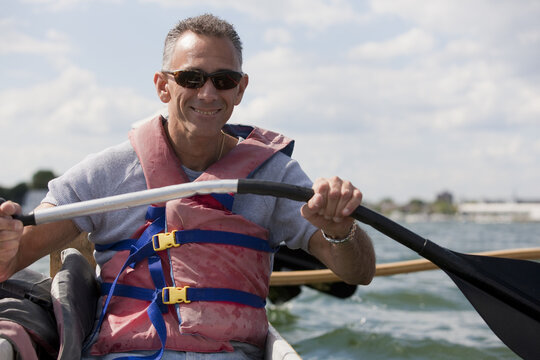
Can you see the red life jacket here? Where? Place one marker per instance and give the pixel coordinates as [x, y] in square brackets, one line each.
[224, 259]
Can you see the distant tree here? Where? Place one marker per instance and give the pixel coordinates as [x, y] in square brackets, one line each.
[387, 205]
[16, 193]
[443, 207]
[445, 197]
[415, 206]
[41, 179]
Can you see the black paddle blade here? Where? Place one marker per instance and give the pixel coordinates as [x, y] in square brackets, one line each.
[508, 308]
[505, 292]
[297, 259]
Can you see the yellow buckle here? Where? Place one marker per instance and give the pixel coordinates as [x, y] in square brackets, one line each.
[164, 241]
[175, 295]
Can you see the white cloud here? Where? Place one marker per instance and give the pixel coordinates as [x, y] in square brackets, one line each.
[435, 92]
[481, 18]
[319, 14]
[414, 42]
[55, 124]
[54, 46]
[277, 36]
[13, 41]
[461, 49]
[314, 14]
[529, 37]
[283, 70]
[62, 5]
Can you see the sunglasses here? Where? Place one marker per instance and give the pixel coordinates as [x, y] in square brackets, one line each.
[195, 79]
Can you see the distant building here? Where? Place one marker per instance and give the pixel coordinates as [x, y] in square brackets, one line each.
[499, 211]
[446, 197]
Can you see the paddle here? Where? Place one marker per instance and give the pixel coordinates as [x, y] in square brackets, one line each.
[297, 259]
[505, 292]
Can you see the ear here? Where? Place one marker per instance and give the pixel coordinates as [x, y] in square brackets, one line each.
[162, 87]
[241, 89]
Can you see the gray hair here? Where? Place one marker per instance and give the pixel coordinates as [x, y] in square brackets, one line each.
[208, 25]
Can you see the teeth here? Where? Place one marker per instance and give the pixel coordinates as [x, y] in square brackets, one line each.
[206, 112]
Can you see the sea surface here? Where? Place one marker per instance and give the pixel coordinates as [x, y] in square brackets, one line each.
[420, 315]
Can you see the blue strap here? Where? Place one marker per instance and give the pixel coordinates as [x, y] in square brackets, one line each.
[154, 313]
[222, 237]
[133, 292]
[198, 236]
[139, 250]
[154, 212]
[136, 254]
[225, 295]
[193, 294]
[156, 272]
[117, 246]
[226, 200]
[244, 131]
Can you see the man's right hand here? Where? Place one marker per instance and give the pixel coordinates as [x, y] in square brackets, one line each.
[10, 236]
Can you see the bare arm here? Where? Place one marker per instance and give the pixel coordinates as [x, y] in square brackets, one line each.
[20, 247]
[353, 261]
[329, 210]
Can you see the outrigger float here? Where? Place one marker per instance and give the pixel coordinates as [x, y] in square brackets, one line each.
[504, 291]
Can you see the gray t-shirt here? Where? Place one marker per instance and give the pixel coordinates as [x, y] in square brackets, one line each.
[117, 170]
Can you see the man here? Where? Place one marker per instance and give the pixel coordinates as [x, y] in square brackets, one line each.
[201, 82]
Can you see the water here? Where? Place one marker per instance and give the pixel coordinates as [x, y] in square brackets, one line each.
[411, 316]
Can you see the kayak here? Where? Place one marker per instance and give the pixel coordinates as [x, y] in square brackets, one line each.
[31, 304]
[6, 350]
[277, 348]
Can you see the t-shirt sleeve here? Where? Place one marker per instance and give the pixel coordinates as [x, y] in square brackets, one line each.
[286, 223]
[94, 177]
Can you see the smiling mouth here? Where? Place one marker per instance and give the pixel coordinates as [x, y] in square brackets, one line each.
[206, 112]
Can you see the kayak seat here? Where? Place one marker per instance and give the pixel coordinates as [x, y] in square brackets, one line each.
[26, 318]
[75, 293]
[44, 318]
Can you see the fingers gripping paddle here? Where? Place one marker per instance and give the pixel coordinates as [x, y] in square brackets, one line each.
[505, 292]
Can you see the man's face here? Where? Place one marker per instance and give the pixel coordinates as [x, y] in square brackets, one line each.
[203, 111]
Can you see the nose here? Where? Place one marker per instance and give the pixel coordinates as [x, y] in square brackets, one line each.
[208, 92]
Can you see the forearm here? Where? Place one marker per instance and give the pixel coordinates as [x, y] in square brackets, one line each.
[34, 243]
[353, 260]
[39, 241]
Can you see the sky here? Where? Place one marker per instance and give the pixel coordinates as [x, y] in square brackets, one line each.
[404, 98]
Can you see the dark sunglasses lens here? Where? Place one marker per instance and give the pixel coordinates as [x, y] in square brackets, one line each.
[226, 80]
[190, 79]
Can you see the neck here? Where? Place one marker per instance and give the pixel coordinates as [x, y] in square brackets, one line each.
[199, 153]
